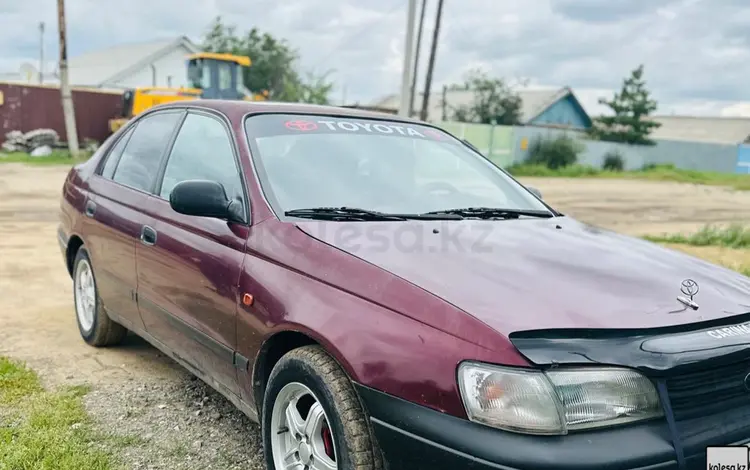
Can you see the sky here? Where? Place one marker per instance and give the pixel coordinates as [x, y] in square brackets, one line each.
[696, 53]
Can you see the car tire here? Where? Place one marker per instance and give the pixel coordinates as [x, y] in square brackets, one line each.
[95, 326]
[312, 382]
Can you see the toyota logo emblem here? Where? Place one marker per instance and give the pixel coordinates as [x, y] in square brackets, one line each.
[689, 287]
[304, 126]
[746, 382]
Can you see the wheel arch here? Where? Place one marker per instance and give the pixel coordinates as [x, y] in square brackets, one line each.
[275, 347]
[74, 244]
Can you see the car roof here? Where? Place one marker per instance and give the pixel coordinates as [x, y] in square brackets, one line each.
[238, 108]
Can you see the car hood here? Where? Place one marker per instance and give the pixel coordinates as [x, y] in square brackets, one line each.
[531, 274]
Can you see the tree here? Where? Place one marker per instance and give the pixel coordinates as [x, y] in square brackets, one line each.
[274, 64]
[631, 107]
[493, 101]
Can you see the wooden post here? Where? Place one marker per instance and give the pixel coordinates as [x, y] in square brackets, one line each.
[65, 93]
[431, 63]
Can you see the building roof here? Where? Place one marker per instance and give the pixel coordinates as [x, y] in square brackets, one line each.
[725, 130]
[104, 66]
[534, 101]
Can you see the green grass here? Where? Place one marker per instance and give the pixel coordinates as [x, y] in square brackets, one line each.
[16, 382]
[42, 430]
[57, 157]
[734, 236]
[654, 173]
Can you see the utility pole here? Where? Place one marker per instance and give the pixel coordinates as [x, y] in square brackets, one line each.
[65, 93]
[41, 53]
[416, 58]
[408, 56]
[431, 62]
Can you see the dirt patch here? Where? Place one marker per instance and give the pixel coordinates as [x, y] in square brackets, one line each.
[644, 207]
[166, 418]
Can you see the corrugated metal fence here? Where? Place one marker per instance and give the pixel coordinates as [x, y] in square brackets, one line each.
[699, 156]
[26, 107]
[506, 145]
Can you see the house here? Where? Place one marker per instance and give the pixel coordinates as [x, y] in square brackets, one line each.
[719, 130]
[549, 107]
[155, 63]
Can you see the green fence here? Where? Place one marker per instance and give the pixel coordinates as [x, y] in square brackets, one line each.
[495, 142]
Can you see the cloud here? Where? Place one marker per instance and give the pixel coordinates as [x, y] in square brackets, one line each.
[696, 52]
[596, 11]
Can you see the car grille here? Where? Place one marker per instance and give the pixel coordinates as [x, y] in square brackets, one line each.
[706, 392]
[711, 402]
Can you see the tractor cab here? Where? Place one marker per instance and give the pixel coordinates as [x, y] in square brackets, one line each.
[218, 76]
[210, 76]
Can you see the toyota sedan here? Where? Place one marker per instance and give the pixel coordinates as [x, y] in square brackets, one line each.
[377, 294]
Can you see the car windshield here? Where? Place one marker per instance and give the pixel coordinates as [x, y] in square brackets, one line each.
[309, 161]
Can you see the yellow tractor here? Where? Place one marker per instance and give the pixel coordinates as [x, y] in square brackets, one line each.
[210, 76]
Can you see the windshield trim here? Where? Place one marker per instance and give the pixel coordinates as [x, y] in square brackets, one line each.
[261, 176]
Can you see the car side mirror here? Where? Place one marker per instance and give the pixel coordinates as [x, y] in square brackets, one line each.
[202, 198]
[535, 191]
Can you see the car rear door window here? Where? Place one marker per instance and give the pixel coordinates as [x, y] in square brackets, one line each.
[114, 156]
[140, 160]
[203, 150]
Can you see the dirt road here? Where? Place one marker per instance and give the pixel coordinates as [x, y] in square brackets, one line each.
[137, 391]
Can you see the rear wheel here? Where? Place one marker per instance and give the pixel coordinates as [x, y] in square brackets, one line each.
[95, 326]
[312, 418]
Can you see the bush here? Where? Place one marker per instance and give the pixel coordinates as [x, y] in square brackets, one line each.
[613, 161]
[658, 166]
[522, 169]
[554, 153]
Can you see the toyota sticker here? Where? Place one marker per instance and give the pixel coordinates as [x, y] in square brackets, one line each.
[302, 125]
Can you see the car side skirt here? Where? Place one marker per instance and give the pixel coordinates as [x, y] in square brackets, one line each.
[235, 357]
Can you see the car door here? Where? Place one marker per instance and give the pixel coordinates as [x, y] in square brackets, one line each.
[188, 274]
[114, 218]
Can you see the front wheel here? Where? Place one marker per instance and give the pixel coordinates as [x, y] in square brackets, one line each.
[312, 417]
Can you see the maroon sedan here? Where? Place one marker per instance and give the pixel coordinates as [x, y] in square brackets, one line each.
[378, 295]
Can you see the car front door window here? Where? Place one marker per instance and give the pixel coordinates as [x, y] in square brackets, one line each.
[203, 150]
[140, 160]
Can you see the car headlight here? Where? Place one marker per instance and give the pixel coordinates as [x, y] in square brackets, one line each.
[555, 401]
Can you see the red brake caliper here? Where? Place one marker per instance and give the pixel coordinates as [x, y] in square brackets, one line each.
[328, 442]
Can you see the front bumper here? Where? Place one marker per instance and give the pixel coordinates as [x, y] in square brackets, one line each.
[414, 437]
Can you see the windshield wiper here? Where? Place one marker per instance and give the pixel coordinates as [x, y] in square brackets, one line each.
[353, 213]
[495, 213]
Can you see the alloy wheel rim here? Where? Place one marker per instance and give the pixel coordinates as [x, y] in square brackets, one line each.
[301, 438]
[85, 293]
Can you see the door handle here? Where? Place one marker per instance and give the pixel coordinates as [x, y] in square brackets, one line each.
[90, 208]
[148, 235]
